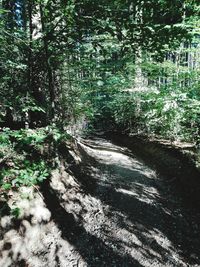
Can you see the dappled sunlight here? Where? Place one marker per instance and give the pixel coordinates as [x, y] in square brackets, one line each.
[119, 160]
[145, 217]
[111, 211]
[112, 157]
[99, 133]
[151, 247]
[34, 239]
[146, 197]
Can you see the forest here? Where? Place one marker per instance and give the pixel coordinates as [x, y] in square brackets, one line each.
[89, 85]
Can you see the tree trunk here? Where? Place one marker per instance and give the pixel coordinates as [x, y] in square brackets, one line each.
[48, 65]
[139, 83]
[30, 63]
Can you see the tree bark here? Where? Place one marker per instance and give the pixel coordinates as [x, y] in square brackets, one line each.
[51, 86]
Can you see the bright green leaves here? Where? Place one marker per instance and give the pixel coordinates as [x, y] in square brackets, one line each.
[17, 166]
[28, 137]
[169, 113]
[4, 139]
[7, 186]
[26, 174]
[15, 211]
[27, 158]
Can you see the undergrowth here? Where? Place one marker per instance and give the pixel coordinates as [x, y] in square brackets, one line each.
[27, 158]
[168, 113]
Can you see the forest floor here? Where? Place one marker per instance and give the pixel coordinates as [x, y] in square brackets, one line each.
[117, 212]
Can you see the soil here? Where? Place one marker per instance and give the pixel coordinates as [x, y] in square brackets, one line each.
[112, 210]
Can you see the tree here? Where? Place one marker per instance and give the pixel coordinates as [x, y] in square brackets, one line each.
[54, 49]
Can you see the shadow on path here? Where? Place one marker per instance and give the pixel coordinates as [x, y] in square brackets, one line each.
[92, 249]
[146, 214]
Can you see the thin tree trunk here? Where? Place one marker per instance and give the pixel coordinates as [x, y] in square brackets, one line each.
[30, 64]
[140, 83]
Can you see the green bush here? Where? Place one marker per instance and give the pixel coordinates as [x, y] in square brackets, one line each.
[173, 113]
[27, 174]
[19, 163]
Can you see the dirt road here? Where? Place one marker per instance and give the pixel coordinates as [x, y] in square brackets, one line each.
[117, 212]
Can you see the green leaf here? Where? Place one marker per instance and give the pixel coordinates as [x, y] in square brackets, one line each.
[6, 186]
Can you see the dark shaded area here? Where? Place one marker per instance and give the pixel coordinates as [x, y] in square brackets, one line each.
[36, 119]
[4, 208]
[93, 250]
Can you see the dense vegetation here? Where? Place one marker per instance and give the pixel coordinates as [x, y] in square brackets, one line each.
[130, 66]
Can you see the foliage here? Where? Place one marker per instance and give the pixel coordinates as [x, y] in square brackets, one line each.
[26, 174]
[15, 211]
[51, 50]
[172, 113]
[23, 158]
[65, 60]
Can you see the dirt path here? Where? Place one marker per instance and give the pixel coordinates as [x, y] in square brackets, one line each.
[117, 213]
[146, 217]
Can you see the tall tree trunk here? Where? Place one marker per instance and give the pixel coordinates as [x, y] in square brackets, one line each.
[30, 63]
[48, 64]
[30, 69]
[139, 77]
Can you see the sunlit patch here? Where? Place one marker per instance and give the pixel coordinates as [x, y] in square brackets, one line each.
[38, 240]
[119, 159]
[140, 197]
